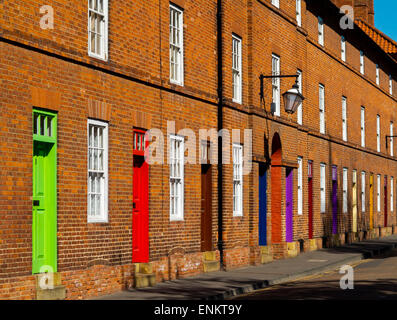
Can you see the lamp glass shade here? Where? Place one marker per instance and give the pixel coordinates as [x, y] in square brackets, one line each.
[292, 99]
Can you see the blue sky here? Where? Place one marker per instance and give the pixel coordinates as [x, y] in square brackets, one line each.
[385, 17]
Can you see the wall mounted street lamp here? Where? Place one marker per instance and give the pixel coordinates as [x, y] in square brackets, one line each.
[292, 98]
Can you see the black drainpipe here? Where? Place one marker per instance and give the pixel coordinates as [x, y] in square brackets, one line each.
[220, 126]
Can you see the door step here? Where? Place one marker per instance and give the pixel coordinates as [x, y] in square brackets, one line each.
[210, 263]
[49, 287]
[144, 275]
[266, 254]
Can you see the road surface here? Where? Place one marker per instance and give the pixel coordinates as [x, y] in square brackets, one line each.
[374, 279]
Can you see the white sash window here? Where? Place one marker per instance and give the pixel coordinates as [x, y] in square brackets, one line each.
[98, 28]
[344, 190]
[176, 45]
[236, 68]
[237, 180]
[97, 171]
[176, 177]
[322, 108]
[276, 83]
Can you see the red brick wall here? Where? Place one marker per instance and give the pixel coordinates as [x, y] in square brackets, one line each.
[132, 88]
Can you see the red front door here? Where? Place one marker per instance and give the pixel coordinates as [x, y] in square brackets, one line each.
[140, 216]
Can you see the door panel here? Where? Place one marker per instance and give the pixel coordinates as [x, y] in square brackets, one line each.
[334, 207]
[262, 205]
[354, 207]
[206, 207]
[44, 207]
[289, 205]
[385, 201]
[310, 202]
[334, 199]
[140, 216]
[371, 202]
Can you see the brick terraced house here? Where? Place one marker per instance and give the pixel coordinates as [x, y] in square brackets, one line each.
[77, 199]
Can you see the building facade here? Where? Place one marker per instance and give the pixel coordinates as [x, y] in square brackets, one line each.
[82, 82]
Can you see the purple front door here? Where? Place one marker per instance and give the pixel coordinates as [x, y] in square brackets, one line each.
[334, 200]
[289, 182]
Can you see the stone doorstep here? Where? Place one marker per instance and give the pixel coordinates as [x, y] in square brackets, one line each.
[292, 250]
[266, 255]
[209, 255]
[210, 266]
[144, 268]
[144, 275]
[210, 263]
[143, 280]
[57, 292]
[45, 277]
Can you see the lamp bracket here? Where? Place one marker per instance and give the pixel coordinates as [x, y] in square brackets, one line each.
[262, 76]
[387, 139]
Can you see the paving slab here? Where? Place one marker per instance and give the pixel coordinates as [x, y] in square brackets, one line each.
[225, 284]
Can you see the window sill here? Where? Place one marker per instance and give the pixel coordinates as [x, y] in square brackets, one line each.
[176, 83]
[95, 56]
[235, 215]
[177, 219]
[97, 221]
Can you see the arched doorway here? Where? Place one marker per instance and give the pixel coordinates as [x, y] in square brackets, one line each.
[276, 189]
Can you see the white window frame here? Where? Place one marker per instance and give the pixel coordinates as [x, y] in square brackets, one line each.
[299, 13]
[392, 194]
[345, 189]
[237, 180]
[237, 68]
[391, 139]
[276, 3]
[322, 188]
[93, 125]
[320, 31]
[390, 84]
[362, 126]
[363, 182]
[377, 74]
[321, 96]
[344, 118]
[175, 47]
[177, 181]
[299, 111]
[343, 48]
[300, 185]
[276, 84]
[378, 133]
[362, 62]
[378, 192]
[103, 55]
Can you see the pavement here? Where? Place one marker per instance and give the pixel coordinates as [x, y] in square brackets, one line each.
[222, 285]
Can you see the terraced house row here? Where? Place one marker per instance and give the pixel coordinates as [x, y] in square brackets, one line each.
[82, 84]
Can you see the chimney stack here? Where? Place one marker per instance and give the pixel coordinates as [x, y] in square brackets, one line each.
[363, 9]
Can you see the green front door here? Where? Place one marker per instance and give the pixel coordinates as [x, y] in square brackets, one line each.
[44, 229]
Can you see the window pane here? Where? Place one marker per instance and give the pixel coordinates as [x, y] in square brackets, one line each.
[42, 124]
[49, 126]
[35, 123]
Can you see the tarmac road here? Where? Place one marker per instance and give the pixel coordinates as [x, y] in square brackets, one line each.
[374, 279]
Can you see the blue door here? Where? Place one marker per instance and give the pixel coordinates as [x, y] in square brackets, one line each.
[262, 204]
